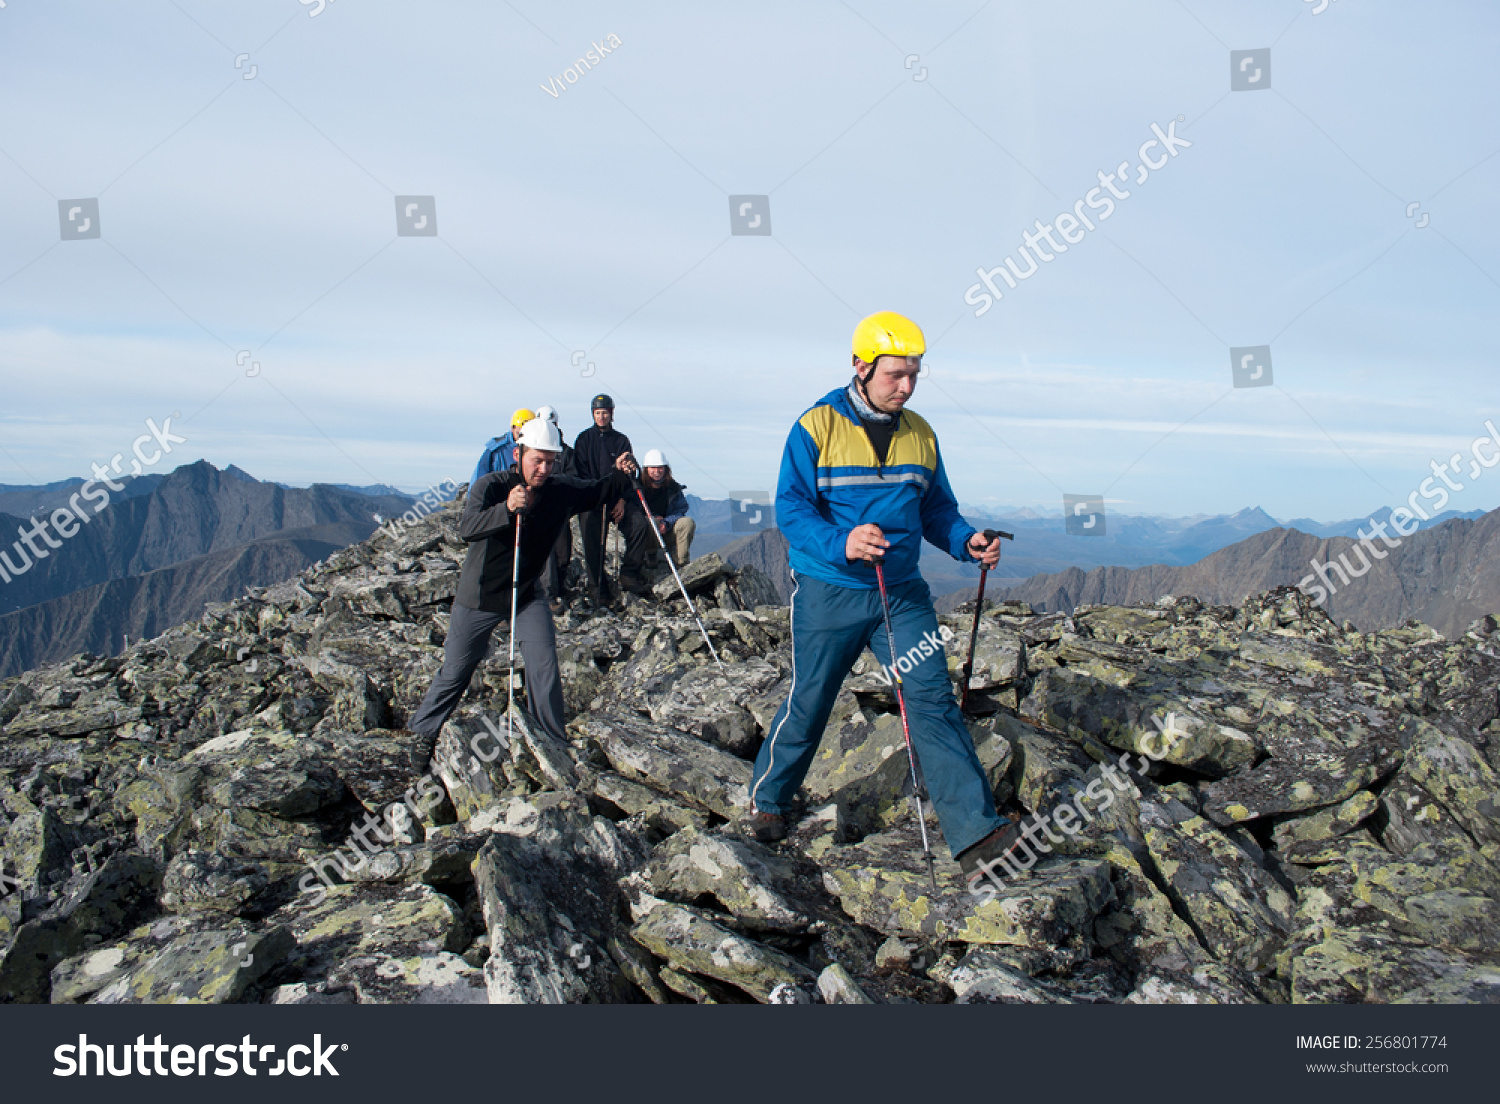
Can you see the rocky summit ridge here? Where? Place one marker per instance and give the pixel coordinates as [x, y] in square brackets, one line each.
[224, 814]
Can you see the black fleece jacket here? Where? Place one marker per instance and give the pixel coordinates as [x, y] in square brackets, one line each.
[489, 528]
[595, 452]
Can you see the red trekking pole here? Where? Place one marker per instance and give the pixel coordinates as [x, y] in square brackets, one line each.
[911, 756]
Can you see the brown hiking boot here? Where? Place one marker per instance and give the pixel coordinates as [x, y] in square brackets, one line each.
[978, 860]
[767, 827]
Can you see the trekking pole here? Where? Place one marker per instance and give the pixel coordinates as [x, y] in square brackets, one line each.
[989, 535]
[603, 547]
[911, 756]
[515, 577]
[651, 520]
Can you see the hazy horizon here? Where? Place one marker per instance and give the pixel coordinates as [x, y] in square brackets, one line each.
[999, 510]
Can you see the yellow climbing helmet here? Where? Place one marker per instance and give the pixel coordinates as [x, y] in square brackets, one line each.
[886, 333]
[520, 418]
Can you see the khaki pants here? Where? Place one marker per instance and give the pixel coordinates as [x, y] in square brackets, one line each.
[641, 547]
[680, 540]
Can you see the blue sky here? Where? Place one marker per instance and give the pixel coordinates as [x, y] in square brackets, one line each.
[259, 215]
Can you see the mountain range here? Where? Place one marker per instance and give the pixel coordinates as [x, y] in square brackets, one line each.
[166, 545]
[1445, 577]
[163, 548]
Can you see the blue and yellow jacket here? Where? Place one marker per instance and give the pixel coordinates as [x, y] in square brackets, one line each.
[831, 482]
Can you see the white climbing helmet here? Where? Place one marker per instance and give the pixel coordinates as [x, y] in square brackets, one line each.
[540, 434]
[654, 459]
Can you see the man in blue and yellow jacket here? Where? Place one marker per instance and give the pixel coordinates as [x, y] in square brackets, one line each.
[862, 481]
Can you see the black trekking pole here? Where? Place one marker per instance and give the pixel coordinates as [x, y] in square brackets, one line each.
[603, 548]
[989, 535]
[651, 520]
[515, 578]
[911, 756]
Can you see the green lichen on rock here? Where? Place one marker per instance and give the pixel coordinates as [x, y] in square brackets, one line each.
[1327, 824]
[883, 884]
[1239, 909]
[756, 886]
[693, 943]
[203, 967]
[862, 767]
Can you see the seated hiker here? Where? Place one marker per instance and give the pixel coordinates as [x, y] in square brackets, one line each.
[498, 452]
[669, 506]
[532, 496]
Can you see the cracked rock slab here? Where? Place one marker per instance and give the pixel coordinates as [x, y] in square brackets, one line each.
[757, 886]
[703, 775]
[692, 943]
[1242, 913]
[203, 967]
[883, 884]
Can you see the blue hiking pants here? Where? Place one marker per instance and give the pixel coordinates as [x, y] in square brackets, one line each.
[831, 625]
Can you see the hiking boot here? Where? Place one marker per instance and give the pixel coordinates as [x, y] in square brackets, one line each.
[977, 860]
[634, 583]
[556, 605]
[419, 752]
[767, 827]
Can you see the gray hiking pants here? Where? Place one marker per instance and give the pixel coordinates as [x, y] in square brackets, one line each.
[468, 642]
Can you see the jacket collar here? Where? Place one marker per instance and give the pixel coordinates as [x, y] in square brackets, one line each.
[839, 400]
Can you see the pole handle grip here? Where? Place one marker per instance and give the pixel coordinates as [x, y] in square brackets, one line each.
[991, 534]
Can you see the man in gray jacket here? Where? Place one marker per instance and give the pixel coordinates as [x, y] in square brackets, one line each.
[540, 502]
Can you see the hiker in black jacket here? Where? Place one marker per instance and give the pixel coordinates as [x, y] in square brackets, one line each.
[595, 452]
[545, 501]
